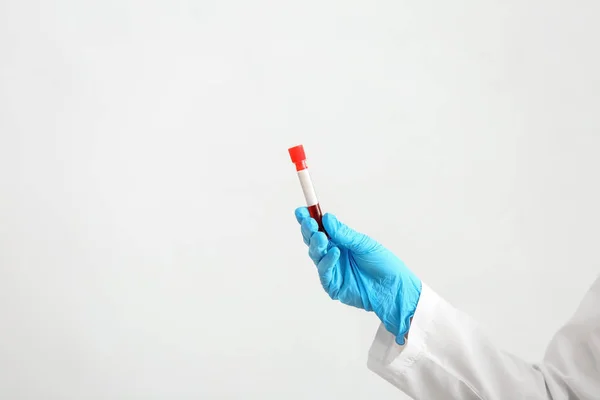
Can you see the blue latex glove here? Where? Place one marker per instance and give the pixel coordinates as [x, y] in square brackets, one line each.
[360, 272]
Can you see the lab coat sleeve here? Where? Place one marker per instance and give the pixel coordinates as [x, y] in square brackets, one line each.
[447, 356]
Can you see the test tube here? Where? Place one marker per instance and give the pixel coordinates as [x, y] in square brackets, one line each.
[299, 158]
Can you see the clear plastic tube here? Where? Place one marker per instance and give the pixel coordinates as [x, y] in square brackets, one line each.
[298, 157]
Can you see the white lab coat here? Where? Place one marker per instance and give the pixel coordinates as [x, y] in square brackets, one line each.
[448, 357]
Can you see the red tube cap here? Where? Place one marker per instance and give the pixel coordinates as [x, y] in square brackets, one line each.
[297, 153]
[298, 157]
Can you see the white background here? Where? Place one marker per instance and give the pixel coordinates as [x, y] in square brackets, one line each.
[148, 247]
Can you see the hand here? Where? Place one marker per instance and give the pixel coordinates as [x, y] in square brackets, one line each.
[360, 272]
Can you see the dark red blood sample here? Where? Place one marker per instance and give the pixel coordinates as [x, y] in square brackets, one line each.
[316, 213]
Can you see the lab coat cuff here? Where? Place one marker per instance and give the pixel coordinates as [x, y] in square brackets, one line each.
[385, 353]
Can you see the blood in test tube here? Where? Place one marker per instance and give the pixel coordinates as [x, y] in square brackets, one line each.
[299, 158]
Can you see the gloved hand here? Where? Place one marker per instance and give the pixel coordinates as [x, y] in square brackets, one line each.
[360, 272]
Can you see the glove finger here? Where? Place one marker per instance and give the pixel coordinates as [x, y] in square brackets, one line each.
[318, 247]
[301, 214]
[308, 227]
[344, 236]
[327, 271]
